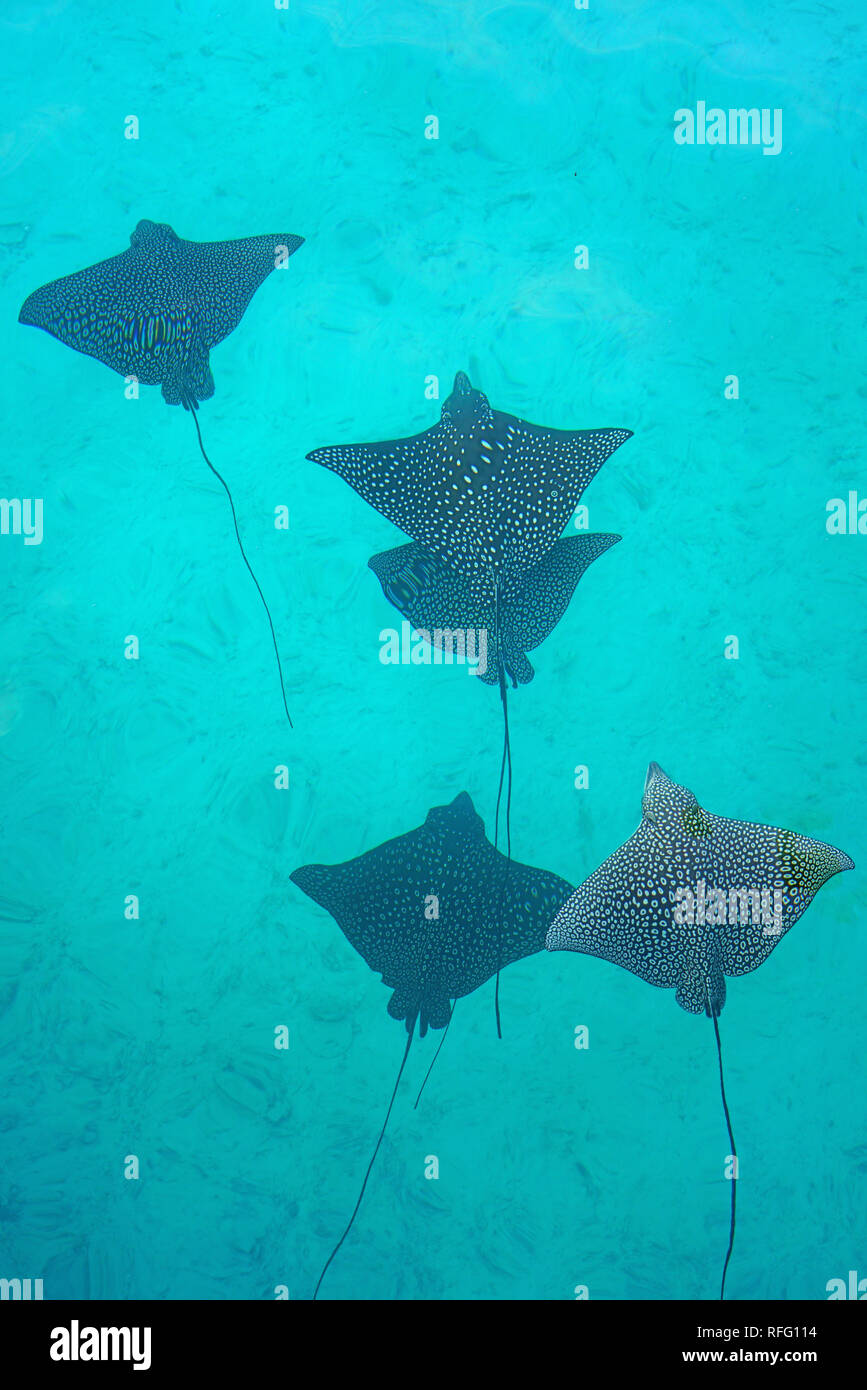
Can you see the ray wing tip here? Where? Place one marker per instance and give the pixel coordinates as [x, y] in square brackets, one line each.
[306, 875]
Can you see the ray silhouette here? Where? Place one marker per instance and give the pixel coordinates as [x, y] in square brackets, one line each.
[427, 912]
[693, 897]
[487, 495]
[154, 312]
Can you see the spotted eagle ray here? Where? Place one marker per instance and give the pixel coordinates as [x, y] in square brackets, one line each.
[690, 898]
[425, 912]
[485, 493]
[437, 601]
[154, 312]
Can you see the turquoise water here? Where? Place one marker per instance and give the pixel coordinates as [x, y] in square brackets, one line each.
[155, 777]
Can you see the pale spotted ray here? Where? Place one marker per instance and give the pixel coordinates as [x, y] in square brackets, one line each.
[681, 905]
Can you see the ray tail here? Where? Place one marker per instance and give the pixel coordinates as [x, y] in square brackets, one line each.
[436, 1054]
[505, 769]
[191, 407]
[733, 1150]
[410, 1030]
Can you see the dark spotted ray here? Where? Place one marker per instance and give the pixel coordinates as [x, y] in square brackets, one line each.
[692, 897]
[437, 601]
[483, 492]
[154, 312]
[425, 912]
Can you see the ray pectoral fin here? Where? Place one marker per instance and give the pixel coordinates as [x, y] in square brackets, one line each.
[416, 584]
[586, 450]
[538, 599]
[377, 472]
[318, 882]
[772, 876]
[806, 864]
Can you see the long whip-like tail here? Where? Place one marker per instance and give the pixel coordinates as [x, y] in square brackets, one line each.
[734, 1153]
[410, 1031]
[436, 1054]
[193, 411]
[505, 770]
